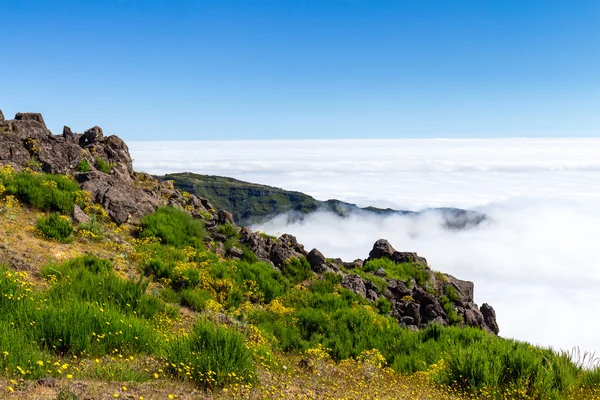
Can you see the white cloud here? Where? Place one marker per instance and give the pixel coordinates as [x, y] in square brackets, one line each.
[536, 261]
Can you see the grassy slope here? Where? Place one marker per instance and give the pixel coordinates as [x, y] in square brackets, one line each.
[283, 320]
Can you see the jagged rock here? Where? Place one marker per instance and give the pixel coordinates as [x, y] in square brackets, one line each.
[383, 249]
[354, 264]
[91, 136]
[356, 284]
[234, 252]
[219, 237]
[463, 288]
[315, 258]
[396, 290]
[372, 295]
[292, 242]
[30, 117]
[1, 116]
[406, 320]
[79, 216]
[380, 272]
[489, 316]
[225, 217]
[280, 253]
[67, 132]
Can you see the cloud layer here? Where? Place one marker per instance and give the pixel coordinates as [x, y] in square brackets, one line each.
[535, 261]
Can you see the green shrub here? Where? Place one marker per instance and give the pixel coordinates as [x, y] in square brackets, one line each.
[55, 226]
[296, 270]
[453, 317]
[383, 305]
[83, 166]
[451, 293]
[44, 191]
[195, 299]
[102, 165]
[173, 227]
[93, 226]
[270, 283]
[228, 230]
[210, 347]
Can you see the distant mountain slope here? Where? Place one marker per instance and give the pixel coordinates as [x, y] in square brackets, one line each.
[252, 203]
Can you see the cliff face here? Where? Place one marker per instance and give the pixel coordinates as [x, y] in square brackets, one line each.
[402, 284]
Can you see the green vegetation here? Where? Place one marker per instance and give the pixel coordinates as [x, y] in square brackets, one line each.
[93, 226]
[102, 165]
[212, 355]
[205, 320]
[403, 271]
[251, 203]
[55, 226]
[83, 166]
[173, 227]
[44, 191]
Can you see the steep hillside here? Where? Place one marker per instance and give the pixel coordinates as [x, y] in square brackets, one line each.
[100, 299]
[251, 203]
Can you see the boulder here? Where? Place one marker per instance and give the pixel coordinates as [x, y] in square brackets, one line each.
[280, 253]
[315, 258]
[235, 252]
[91, 136]
[37, 117]
[225, 217]
[79, 216]
[489, 316]
[356, 284]
[382, 249]
[464, 289]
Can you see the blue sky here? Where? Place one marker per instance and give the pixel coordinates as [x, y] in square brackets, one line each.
[221, 70]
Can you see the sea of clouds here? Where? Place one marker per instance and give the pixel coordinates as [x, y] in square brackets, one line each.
[536, 260]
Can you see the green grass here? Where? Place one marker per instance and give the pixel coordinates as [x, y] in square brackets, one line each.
[93, 226]
[55, 226]
[211, 353]
[44, 191]
[102, 165]
[173, 227]
[403, 271]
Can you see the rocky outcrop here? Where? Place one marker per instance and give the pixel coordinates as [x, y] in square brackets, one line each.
[416, 306]
[273, 250]
[383, 249]
[101, 165]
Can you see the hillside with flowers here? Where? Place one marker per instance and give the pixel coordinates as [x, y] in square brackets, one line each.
[114, 284]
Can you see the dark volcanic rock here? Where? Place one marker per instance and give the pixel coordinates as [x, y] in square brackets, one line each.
[224, 217]
[315, 258]
[356, 284]
[383, 249]
[489, 316]
[26, 138]
[463, 288]
[1, 116]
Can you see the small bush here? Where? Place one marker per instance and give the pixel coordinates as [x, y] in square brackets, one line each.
[195, 299]
[211, 348]
[44, 191]
[296, 270]
[228, 230]
[102, 165]
[83, 166]
[384, 305]
[92, 226]
[173, 227]
[55, 226]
